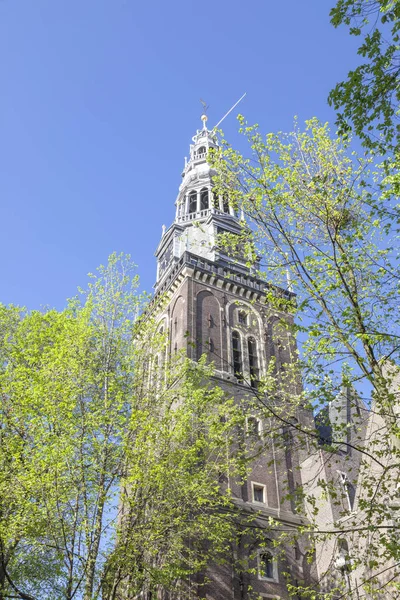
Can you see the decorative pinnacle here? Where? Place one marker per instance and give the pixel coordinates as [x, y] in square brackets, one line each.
[204, 118]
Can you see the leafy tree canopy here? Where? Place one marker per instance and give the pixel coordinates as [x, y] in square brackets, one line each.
[368, 100]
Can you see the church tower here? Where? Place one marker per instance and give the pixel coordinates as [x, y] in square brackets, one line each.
[216, 305]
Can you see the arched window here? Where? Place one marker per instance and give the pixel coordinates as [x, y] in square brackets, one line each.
[253, 362]
[201, 150]
[193, 202]
[225, 200]
[237, 356]
[204, 199]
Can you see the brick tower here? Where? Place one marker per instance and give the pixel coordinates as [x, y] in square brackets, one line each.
[217, 306]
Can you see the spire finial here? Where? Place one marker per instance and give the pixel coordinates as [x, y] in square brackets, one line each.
[204, 118]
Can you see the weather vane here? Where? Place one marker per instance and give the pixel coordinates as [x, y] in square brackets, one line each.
[205, 106]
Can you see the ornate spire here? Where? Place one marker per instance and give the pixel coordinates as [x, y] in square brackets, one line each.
[196, 199]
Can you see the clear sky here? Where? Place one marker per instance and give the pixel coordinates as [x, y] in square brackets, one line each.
[99, 100]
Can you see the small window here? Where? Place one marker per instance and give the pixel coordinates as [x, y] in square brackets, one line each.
[201, 150]
[266, 565]
[258, 492]
[242, 317]
[192, 202]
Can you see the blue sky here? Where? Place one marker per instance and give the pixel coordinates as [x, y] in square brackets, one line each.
[99, 100]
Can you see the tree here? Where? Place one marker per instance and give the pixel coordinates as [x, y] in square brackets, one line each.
[65, 385]
[92, 429]
[312, 214]
[369, 98]
[178, 514]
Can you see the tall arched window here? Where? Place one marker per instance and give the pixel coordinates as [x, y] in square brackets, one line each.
[193, 202]
[204, 199]
[237, 356]
[253, 362]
